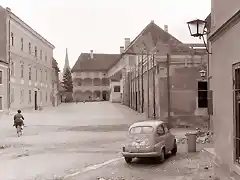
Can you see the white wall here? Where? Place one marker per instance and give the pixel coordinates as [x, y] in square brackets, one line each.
[115, 96]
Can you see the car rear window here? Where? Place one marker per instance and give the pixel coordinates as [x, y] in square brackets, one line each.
[141, 130]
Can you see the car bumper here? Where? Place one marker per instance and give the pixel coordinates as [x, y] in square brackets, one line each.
[136, 154]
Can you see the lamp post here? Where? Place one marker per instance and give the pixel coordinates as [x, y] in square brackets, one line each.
[197, 28]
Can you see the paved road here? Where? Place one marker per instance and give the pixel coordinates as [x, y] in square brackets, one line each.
[74, 141]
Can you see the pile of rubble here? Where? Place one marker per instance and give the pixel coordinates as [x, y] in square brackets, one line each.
[202, 138]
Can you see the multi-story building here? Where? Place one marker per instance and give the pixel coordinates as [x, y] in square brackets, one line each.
[30, 63]
[90, 77]
[225, 84]
[142, 73]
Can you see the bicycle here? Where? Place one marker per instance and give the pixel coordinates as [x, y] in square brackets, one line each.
[19, 130]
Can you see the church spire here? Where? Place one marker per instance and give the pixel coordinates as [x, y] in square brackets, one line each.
[66, 65]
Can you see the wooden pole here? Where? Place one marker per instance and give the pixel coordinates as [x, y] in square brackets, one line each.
[148, 84]
[135, 80]
[154, 90]
[139, 95]
[168, 89]
[142, 86]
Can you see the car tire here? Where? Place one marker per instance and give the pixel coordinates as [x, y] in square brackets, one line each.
[128, 160]
[162, 156]
[174, 150]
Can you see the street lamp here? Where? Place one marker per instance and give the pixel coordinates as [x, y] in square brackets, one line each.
[203, 73]
[197, 27]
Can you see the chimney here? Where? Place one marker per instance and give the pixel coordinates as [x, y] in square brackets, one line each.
[127, 42]
[8, 9]
[121, 49]
[91, 54]
[166, 28]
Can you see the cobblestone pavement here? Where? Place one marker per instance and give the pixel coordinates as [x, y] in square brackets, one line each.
[77, 141]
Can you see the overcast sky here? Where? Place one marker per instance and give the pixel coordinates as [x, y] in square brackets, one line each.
[102, 25]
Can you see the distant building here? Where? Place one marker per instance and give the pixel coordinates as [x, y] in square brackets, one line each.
[90, 77]
[56, 96]
[141, 73]
[30, 59]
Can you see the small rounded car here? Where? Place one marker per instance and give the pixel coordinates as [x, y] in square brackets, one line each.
[149, 139]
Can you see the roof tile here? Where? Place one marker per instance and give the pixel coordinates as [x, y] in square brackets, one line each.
[100, 62]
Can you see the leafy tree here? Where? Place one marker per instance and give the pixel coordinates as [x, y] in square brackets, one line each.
[67, 81]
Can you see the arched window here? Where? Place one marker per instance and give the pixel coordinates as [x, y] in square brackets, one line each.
[116, 89]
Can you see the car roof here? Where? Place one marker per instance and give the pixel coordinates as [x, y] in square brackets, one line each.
[153, 123]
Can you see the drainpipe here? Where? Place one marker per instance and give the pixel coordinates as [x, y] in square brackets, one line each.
[9, 64]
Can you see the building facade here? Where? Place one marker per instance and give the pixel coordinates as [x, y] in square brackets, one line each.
[90, 77]
[55, 96]
[225, 83]
[30, 63]
[142, 73]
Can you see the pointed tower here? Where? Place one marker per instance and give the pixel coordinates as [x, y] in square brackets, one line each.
[66, 65]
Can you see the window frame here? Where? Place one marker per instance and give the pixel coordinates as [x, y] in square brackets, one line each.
[35, 51]
[22, 45]
[29, 72]
[29, 48]
[30, 96]
[12, 38]
[160, 126]
[198, 95]
[41, 52]
[1, 78]
[22, 96]
[2, 103]
[36, 74]
[118, 90]
[12, 68]
[21, 69]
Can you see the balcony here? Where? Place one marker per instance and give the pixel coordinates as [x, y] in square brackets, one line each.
[91, 88]
[90, 75]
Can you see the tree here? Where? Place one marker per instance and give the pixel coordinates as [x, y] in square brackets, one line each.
[67, 81]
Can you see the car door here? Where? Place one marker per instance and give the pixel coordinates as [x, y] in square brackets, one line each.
[160, 137]
[169, 138]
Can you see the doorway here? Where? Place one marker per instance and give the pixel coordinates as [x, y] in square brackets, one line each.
[35, 100]
[105, 96]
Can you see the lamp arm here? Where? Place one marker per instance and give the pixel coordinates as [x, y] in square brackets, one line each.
[206, 45]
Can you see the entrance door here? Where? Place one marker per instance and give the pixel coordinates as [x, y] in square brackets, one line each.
[35, 100]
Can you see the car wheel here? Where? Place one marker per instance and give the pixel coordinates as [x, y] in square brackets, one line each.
[162, 156]
[128, 160]
[174, 150]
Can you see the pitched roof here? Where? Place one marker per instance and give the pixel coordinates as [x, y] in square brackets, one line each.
[208, 20]
[156, 33]
[100, 62]
[55, 65]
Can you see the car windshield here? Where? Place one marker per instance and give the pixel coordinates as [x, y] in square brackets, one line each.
[141, 130]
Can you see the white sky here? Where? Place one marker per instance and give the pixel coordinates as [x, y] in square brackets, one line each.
[102, 25]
